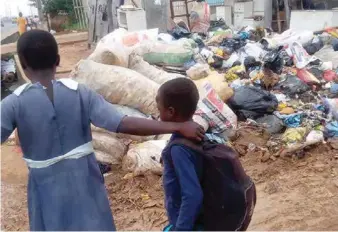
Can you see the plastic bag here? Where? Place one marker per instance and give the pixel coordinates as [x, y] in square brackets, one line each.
[218, 83]
[111, 150]
[329, 75]
[166, 54]
[179, 32]
[254, 50]
[293, 120]
[167, 38]
[144, 158]
[212, 109]
[292, 85]
[290, 36]
[335, 44]
[300, 57]
[252, 102]
[332, 106]
[307, 77]
[314, 47]
[199, 17]
[231, 61]
[315, 136]
[231, 45]
[328, 54]
[234, 73]
[331, 129]
[334, 88]
[198, 71]
[274, 61]
[160, 76]
[250, 63]
[118, 85]
[216, 40]
[274, 124]
[294, 135]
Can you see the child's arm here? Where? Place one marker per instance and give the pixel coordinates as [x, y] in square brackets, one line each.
[191, 190]
[140, 126]
[104, 115]
[7, 117]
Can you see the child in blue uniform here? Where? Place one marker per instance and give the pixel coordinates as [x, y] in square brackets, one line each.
[177, 101]
[65, 187]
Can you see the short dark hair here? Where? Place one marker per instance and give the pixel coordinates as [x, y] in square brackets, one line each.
[38, 50]
[181, 94]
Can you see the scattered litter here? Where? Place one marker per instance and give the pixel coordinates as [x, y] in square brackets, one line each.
[284, 87]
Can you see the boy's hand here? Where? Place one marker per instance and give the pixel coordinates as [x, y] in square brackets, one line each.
[192, 130]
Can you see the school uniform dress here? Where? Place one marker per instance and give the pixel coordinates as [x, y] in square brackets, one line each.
[65, 187]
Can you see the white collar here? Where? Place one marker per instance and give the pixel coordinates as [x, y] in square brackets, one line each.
[68, 82]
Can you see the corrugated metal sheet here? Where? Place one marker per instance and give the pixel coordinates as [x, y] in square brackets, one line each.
[215, 2]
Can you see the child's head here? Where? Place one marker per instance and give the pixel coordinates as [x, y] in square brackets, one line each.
[38, 51]
[177, 100]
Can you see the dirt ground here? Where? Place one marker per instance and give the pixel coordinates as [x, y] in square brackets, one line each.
[71, 54]
[293, 194]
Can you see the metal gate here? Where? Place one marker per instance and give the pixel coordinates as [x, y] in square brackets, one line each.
[80, 14]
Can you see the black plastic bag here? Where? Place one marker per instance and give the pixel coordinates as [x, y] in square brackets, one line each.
[231, 45]
[314, 47]
[335, 44]
[179, 32]
[292, 85]
[288, 61]
[250, 62]
[252, 102]
[275, 124]
[216, 25]
[218, 62]
[274, 61]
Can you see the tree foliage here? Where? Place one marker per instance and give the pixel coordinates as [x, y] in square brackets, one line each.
[55, 7]
[58, 6]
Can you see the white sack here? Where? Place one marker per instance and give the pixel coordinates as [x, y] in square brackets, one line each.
[120, 43]
[111, 150]
[198, 71]
[129, 112]
[118, 85]
[105, 56]
[144, 158]
[160, 76]
[135, 138]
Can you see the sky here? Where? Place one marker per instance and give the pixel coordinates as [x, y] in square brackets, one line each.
[14, 6]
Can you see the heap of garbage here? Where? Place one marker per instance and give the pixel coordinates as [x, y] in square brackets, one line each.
[282, 87]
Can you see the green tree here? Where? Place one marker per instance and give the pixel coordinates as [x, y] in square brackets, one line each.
[54, 7]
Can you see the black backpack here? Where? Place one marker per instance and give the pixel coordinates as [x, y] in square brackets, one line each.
[229, 195]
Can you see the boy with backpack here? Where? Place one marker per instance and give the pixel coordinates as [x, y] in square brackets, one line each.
[205, 185]
[66, 190]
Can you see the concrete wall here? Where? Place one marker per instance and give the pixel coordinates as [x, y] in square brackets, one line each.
[313, 20]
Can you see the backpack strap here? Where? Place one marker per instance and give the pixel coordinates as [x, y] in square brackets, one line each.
[188, 143]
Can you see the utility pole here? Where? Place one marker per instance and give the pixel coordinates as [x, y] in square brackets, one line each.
[287, 13]
[39, 6]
